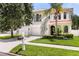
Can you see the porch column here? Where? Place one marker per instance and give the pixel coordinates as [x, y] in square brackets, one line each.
[68, 16]
[62, 18]
[69, 29]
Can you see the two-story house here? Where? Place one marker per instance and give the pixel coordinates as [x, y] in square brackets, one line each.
[45, 24]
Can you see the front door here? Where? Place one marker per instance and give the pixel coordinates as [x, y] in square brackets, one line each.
[52, 30]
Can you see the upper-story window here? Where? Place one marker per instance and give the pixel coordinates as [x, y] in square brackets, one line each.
[38, 17]
[55, 17]
[65, 15]
[59, 16]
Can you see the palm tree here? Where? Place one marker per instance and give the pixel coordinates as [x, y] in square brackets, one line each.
[57, 8]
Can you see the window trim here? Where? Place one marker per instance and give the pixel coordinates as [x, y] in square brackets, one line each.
[65, 15]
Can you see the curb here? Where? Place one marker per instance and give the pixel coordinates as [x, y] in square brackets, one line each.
[11, 54]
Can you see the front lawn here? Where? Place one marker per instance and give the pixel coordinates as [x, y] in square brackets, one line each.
[69, 42]
[43, 51]
[9, 36]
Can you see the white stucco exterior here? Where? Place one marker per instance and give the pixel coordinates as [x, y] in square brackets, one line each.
[46, 21]
[36, 25]
[75, 32]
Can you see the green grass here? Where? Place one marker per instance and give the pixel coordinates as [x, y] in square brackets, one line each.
[43, 51]
[9, 36]
[69, 42]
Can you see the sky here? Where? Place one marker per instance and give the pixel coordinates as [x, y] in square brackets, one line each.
[75, 6]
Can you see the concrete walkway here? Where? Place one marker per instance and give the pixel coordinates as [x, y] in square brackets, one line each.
[54, 46]
[7, 45]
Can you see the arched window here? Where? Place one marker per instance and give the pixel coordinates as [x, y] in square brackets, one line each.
[52, 30]
[66, 29]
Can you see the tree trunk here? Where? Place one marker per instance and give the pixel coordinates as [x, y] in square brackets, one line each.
[23, 45]
[23, 42]
[56, 25]
[12, 32]
[56, 15]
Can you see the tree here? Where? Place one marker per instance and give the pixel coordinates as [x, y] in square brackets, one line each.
[28, 13]
[57, 8]
[75, 22]
[14, 15]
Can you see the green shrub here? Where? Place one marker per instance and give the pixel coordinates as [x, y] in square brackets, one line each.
[63, 36]
[59, 37]
[68, 35]
[51, 37]
[47, 36]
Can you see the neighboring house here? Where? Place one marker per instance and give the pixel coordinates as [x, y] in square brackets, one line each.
[45, 24]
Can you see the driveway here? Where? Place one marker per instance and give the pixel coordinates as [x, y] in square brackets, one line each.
[7, 45]
[4, 54]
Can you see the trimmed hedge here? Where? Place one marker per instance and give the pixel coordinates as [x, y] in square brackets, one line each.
[59, 37]
[62, 36]
[47, 36]
[68, 35]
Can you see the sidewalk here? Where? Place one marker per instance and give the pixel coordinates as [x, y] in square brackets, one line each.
[54, 46]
